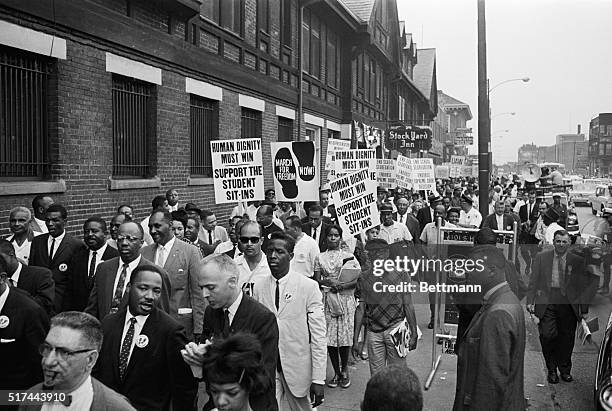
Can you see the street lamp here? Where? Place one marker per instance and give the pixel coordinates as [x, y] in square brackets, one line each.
[510, 113]
[523, 79]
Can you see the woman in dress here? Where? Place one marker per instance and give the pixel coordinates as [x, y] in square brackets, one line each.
[340, 303]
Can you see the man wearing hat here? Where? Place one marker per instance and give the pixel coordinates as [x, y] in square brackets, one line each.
[391, 231]
[561, 209]
[456, 198]
[469, 217]
[381, 197]
[550, 219]
[426, 214]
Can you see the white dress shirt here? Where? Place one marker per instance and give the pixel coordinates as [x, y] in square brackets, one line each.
[163, 251]
[140, 322]
[394, 233]
[15, 276]
[472, 217]
[317, 233]
[549, 234]
[42, 225]
[430, 232]
[219, 233]
[173, 208]
[82, 398]
[305, 254]
[247, 277]
[518, 206]
[130, 268]
[500, 222]
[232, 309]
[21, 251]
[3, 298]
[58, 241]
[99, 254]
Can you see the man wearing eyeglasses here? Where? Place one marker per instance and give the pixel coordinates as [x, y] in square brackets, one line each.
[69, 353]
[23, 326]
[110, 282]
[252, 262]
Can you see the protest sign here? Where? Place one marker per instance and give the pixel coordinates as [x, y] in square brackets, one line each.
[423, 174]
[237, 170]
[442, 171]
[294, 171]
[458, 160]
[355, 200]
[403, 172]
[466, 171]
[455, 171]
[385, 173]
[333, 145]
[349, 161]
[475, 170]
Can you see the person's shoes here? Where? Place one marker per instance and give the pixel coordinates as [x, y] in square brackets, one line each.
[430, 325]
[553, 378]
[345, 380]
[567, 377]
[333, 383]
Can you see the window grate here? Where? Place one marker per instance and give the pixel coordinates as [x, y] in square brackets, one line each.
[204, 115]
[251, 123]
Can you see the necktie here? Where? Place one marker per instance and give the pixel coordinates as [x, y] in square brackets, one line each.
[161, 256]
[52, 250]
[92, 265]
[210, 241]
[226, 323]
[401, 218]
[125, 349]
[12, 282]
[314, 233]
[562, 273]
[277, 295]
[119, 290]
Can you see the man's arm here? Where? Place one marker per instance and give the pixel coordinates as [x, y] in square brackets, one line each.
[411, 318]
[198, 303]
[318, 330]
[45, 290]
[183, 384]
[534, 280]
[267, 335]
[359, 314]
[36, 328]
[92, 303]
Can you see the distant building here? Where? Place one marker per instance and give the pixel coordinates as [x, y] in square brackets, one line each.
[572, 150]
[600, 145]
[453, 116]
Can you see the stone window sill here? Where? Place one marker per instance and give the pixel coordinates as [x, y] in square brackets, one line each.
[135, 183]
[11, 188]
[200, 181]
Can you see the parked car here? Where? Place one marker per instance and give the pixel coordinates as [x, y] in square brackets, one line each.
[603, 372]
[581, 192]
[601, 201]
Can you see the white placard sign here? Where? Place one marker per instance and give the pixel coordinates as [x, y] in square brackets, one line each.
[423, 174]
[350, 161]
[385, 173]
[455, 171]
[333, 145]
[458, 160]
[355, 199]
[294, 171]
[442, 171]
[237, 170]
[403, 172]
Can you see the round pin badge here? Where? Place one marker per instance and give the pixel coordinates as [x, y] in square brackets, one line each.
[4, 321]
[142, 341]
[63, 267]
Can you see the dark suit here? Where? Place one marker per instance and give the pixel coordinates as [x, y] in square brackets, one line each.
[80, 284]
[527, 237]
[560, 309]
[27, 328]
[156, 377]
[101, 296]
[251, 317]
[322, 240]
[413, 224]
[490, 221]
[38, 282]
[424, 216]
[59, 265]
[490, 362]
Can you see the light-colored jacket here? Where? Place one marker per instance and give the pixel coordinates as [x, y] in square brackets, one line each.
[302, 341]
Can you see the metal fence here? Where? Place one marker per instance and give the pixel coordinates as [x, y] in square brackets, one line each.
[204, 115]
[251, 123]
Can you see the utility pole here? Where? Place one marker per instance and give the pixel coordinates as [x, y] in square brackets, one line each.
[484, 123]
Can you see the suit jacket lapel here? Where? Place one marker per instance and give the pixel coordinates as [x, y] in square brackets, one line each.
[109, 285]
[139, 355]
[288, 294]
[60, 248]
[116, 343]
[549, 264]
[173, 255]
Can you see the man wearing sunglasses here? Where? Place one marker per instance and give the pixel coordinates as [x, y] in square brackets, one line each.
[252, 262]
[23, 326]
[69, 353]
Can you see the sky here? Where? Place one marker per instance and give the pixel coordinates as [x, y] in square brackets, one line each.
[562, 46]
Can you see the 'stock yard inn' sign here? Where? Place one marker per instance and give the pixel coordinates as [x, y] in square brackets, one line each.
[407, 138]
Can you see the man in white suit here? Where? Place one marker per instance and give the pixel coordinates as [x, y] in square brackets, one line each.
[298, 305]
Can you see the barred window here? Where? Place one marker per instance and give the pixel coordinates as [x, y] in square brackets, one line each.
[133, 127]
[285, 129]
[24, 95]
[204, 119]
[251, 123]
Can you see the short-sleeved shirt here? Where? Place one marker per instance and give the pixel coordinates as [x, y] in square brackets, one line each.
[382, 309]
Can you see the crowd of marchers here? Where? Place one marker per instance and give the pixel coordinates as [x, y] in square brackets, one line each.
[140, 311]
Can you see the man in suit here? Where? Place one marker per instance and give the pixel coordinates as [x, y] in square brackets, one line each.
[191, 233]
[108, 294]
[264, 216]
[158, 202]
[210, 233]
[86, 261]
[230, 311]
[141, 352]
[426, 214]
[54, 251]
[403, 216]
[298, 305]
[490, 361]
[22, 234]
[560, 291]
[315, 227]
[69, 353]
[40, 204]
[180, 260]
[115, 223]
[172, 196]
[23, 326]
[36, 281]
[498, 220]
[529, 214]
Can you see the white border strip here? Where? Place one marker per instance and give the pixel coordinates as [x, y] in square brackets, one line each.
[285, 112]
[331, 125]
[130, 68]
[32, 40]
[202, 89]
[314, 120]
[251, 102]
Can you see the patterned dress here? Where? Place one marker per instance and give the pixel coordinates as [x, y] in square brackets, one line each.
[339, 328]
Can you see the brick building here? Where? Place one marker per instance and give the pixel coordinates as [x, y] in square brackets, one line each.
[106, 102]
[600, 145]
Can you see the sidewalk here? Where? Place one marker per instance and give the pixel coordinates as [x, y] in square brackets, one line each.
[441, 394]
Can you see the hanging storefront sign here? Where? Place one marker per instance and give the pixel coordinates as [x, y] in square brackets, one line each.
[408, 138]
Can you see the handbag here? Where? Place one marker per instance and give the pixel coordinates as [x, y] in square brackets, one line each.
[332, 302]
